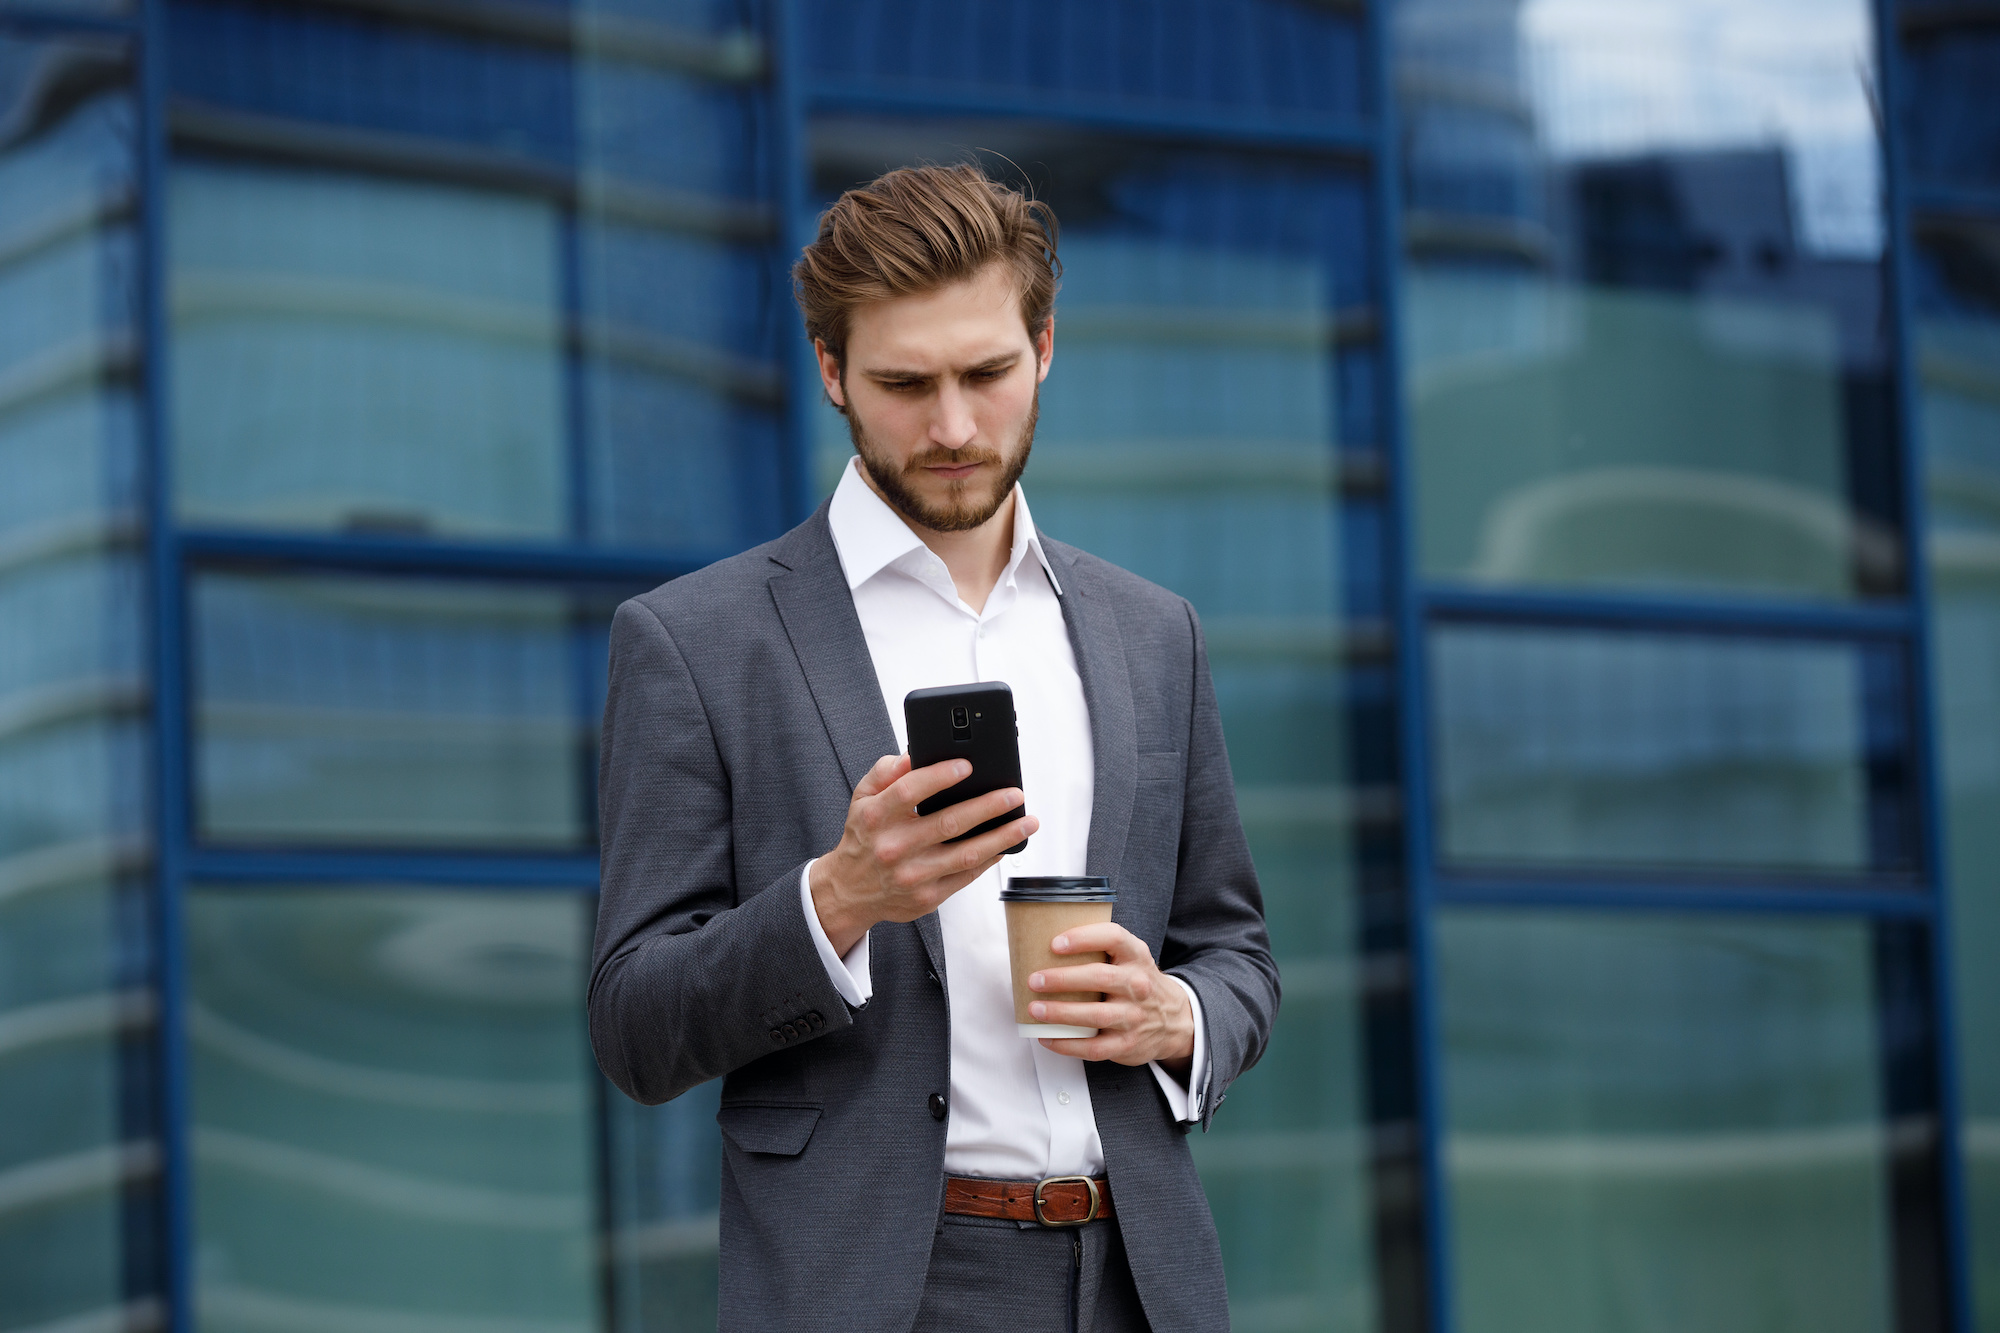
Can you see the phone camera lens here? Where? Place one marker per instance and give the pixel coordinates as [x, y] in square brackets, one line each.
[959, 718]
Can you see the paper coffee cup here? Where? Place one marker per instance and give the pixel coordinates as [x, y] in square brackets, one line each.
[1039, 908]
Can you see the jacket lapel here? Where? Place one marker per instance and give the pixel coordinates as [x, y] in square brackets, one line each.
[817, 610]
[1107, 690]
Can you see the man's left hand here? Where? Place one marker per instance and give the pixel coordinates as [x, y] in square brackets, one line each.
[1144, 1016]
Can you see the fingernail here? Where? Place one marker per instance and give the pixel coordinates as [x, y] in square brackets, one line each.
[1035, 981]
[1062, 944]
[1038, 1009]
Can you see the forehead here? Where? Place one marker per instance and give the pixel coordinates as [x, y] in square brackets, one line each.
[961, 324]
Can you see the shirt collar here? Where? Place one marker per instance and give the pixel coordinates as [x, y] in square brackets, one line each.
[870, 536]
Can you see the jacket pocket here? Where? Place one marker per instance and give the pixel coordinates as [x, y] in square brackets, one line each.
[781, 1131]
[1162, 766]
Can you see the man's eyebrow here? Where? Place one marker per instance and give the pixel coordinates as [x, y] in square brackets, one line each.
[996, 362]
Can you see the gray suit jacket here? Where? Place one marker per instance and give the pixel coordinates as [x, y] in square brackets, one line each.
[743, 710]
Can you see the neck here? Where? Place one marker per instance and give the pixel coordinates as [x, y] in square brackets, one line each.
[975, 557]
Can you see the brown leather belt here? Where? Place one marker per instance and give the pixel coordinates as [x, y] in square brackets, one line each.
[1059, 1201]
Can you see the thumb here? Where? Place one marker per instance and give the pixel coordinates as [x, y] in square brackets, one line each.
[887, 769]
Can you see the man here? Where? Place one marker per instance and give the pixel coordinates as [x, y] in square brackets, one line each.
[775, 913]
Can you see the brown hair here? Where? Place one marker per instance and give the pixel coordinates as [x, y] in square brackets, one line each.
[917, 229]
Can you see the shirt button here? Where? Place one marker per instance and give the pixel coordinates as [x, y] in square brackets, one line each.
[937, 1106]
[1062, 1095]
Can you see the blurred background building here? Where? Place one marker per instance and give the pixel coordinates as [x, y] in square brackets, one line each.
[1578, 424]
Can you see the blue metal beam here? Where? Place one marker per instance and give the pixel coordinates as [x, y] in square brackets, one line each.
[411, 555]
[289, 867]
[55, 22]
[1406, 598]
[1935, 201]
[1307, 133]
[1613, 610]
[1683, 895]
[168, 613]
[1898, 204]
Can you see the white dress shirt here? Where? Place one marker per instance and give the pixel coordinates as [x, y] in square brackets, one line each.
[1019, 1111]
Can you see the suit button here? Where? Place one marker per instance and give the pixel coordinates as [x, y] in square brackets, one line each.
[777, 1036]
[938, 1106]
[814, 1019]
[789, 1030]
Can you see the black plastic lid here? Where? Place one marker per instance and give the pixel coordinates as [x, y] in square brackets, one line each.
[1058, 889]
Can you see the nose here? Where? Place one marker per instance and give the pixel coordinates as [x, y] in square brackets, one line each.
[952, 425]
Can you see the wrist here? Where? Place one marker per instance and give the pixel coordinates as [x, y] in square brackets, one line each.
[843, 927]
[1180, 1060]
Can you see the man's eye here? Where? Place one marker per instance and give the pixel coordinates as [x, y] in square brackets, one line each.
[904, 386]
[987, 376]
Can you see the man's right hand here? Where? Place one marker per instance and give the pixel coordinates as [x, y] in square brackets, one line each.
[895, 865]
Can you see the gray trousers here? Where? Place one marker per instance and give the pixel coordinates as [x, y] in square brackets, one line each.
[1021, 1277]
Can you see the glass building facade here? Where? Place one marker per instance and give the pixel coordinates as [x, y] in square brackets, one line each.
[1578, 426]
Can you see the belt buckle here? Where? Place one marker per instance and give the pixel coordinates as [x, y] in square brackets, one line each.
[1096, 1201]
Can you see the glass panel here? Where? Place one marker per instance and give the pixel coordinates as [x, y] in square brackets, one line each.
[1643, 337]
[1188, 432]
[361, 354]
[395, 711]
[492, 352]
[666, 1185]
[392, 1110]
[1949, 118]
[1178, 55]
[1658, 1124]
[77, 1163]
[1958, 342]
[676, 295]
[1566, 747]
[501, 86]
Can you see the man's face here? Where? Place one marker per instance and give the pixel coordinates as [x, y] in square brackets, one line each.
[940, 391]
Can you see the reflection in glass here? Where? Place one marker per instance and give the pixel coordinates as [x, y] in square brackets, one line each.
[1643, 340]
[1958, 345]
[1188, 432]
[361, 354]
[1948, 119]
[1658, 1124]
[392, 1110]
[680, 385]
[582, 347]
[1268, 56]
[1564, 747]
[665, 1183]
[345, 710]
[76, 1160]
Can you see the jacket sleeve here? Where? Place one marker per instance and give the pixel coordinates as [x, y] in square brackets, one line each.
[692, 975]
[1216, 939]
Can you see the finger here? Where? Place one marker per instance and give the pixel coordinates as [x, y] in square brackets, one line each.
[1109, 978]
[1091, 1048]
[920, 784]
[953, 820]
[958, 858]
[1103, 937]
[877, 779]
[1104, 1015]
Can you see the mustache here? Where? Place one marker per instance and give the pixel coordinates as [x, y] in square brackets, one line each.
[942, 457]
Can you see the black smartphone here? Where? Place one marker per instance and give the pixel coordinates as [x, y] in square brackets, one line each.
[974, 722]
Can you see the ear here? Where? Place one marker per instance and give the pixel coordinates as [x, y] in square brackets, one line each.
[829, 374]
[1045, 350]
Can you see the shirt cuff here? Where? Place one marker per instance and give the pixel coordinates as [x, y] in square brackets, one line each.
[850, 975]
[1185, 1103]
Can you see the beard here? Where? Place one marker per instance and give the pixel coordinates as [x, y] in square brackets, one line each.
[967, 503]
